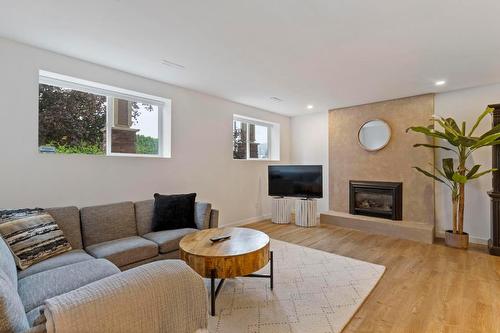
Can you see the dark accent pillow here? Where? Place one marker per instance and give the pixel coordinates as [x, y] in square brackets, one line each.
[174, 211]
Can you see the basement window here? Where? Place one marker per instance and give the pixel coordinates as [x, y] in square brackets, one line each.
[255, 139]
[82, 117]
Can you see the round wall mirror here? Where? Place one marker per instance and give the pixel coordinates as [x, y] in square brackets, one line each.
[374, 135]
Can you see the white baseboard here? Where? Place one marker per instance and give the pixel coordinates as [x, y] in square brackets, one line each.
[475, 240]
[247, 221]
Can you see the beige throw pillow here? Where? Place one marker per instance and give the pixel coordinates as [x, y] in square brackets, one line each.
[32, 235]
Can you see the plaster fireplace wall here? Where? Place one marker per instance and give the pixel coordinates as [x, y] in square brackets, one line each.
[349, 161]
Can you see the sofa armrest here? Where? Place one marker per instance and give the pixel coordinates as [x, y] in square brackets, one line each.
[163, 296]
[202, 215]
[214, 218]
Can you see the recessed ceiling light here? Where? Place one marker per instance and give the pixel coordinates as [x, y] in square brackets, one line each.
[172, 64]
[310, 107]
[275, 99]
[440, 82]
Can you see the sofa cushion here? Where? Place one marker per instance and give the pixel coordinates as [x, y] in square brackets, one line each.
[32, 235]
[68, 219]
[64, 259]
[36, 288]
[107, 222]
[7, 263]
[174, 211]
[202, 215]
[12, 315]
[214, 218]
[124, 251]
[168, 240]
[144, 211]
[161, 256]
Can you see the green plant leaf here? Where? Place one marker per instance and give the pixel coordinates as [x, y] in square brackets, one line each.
[431, 146]
[448, 182]
[427, 131]
[486, 141]
[486, 112]
[449, 129]
[448, 168]
[477, 175]
[463, 127]
[453, 125]
[459, 178]
[420, 129]
[494, 130]
[450, 134]
[473, 171]
[467, 141]
[428, 174]
[441, 173]
[494, 143]
[436, 134]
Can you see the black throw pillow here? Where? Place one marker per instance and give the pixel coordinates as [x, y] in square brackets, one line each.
[174, 211]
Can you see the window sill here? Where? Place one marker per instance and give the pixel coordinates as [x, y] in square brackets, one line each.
[111, 155]
[137, 155]
[257, 159]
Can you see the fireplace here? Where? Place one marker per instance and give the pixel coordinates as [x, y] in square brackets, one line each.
[378, 199]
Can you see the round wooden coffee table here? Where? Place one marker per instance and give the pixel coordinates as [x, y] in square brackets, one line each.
[244, 253]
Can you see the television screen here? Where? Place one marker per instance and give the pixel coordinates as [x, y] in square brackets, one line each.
[296, 181]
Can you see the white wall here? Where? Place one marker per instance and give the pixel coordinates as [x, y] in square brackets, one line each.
[309, 142]
[201, 146]
[466, 105]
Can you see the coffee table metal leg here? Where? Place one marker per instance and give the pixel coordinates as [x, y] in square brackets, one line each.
[214, 292]
[272, 270]
[271, 275]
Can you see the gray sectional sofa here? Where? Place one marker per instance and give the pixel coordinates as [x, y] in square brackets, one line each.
[101, 284]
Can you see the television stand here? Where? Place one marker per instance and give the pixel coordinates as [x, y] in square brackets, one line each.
[282, 210]
[306, 212]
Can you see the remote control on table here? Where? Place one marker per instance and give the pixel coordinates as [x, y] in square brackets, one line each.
[220, 238]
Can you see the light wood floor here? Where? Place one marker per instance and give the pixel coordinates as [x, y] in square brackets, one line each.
[426, 288]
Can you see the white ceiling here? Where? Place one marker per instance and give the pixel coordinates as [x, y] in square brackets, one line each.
[329, 53]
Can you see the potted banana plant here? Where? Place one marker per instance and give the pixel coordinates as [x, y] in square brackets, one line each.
[455, 172]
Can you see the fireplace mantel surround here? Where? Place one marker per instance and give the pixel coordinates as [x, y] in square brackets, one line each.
[348, 161]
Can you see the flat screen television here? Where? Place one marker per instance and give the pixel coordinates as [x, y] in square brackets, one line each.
[304, 181]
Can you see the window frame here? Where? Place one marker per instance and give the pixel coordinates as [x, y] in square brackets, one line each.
[273, 138]
[163, 104]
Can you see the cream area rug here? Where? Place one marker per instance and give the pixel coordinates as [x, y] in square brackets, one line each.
[314, 291]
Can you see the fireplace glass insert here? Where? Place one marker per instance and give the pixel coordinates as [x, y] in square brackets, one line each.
[378, 199]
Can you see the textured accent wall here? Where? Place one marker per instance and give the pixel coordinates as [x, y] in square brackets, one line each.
[348, 161]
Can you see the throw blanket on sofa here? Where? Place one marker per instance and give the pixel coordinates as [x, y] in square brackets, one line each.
[163, 296]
